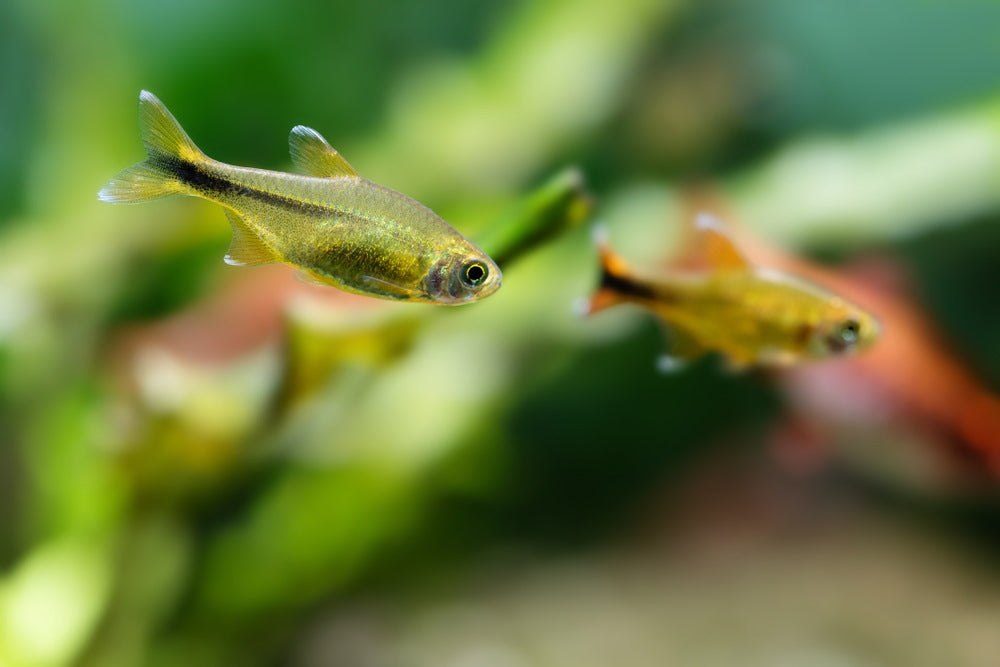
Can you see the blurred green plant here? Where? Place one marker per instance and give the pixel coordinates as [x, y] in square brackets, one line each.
[169, 508]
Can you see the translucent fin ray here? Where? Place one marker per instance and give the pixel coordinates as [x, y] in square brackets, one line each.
[166, 143]
[162, 134]
[313, 156]
[246, 248]
[140, 182]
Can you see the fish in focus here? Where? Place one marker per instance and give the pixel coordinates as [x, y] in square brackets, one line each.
[751, 315]
[338, 228]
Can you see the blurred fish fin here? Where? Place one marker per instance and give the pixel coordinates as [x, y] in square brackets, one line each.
[614, 271]
[683, 347]
[771, 357]
[246, 248]
[718, 247]
[601, 299]
[666, 364]
[168, 149]
[611, 263]
[313, 156]
[697, 199]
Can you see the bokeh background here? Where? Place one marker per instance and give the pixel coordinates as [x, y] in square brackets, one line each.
[209, 465]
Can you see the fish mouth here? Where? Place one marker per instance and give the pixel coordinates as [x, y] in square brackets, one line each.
[476, 294]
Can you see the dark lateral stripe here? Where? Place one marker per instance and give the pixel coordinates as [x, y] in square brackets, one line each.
[628, 287]
[201, 179]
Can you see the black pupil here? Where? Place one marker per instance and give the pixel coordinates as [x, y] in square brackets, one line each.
[849, 331]
[475, 273]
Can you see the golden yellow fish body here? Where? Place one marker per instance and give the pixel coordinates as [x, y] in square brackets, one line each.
[764, 318]
[751, 315]
[340, 229]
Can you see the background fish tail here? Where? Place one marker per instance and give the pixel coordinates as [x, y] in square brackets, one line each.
[170, 154]
[615, 276]
[618, 284]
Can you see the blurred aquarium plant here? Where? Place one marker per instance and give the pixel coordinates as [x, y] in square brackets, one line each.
[208, 465]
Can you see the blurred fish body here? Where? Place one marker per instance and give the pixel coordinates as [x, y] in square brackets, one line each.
[751, 315]
[338, 228]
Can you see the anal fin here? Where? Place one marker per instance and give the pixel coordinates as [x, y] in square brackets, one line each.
[246, 248]
[682, 346]
[313, 278]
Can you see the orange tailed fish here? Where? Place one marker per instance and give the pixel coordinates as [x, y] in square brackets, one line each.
[338, 228]
[751, 315]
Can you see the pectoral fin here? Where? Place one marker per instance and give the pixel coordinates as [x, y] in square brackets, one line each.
[246, 248]
[391, 290]
[313, 156]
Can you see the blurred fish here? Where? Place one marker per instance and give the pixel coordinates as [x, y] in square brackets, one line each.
[338, 228]
[913, 377]
[751, 315]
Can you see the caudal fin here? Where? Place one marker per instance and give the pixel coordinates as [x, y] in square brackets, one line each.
[614, 274]
[168, 148]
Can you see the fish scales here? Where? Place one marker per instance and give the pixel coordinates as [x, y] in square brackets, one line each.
[337, 227]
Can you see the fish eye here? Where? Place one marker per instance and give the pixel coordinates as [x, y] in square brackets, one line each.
[474, 273]
[849, 332]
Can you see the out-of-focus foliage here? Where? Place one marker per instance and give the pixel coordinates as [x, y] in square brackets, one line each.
[204, 465]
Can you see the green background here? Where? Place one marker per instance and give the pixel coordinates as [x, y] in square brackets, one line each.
[504, 484]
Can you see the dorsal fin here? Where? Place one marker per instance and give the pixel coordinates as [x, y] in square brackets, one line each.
[246, 248]
[718, 247]
[313, 156]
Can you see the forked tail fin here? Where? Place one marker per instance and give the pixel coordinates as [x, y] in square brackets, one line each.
[168, 149]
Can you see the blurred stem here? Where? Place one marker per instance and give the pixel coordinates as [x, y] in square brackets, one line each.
[558, 205]
[314, 352]
[150, 568]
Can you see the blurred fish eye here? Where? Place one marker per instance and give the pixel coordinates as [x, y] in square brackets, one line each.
[850, 332]
[843, 336]
[474, 273]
